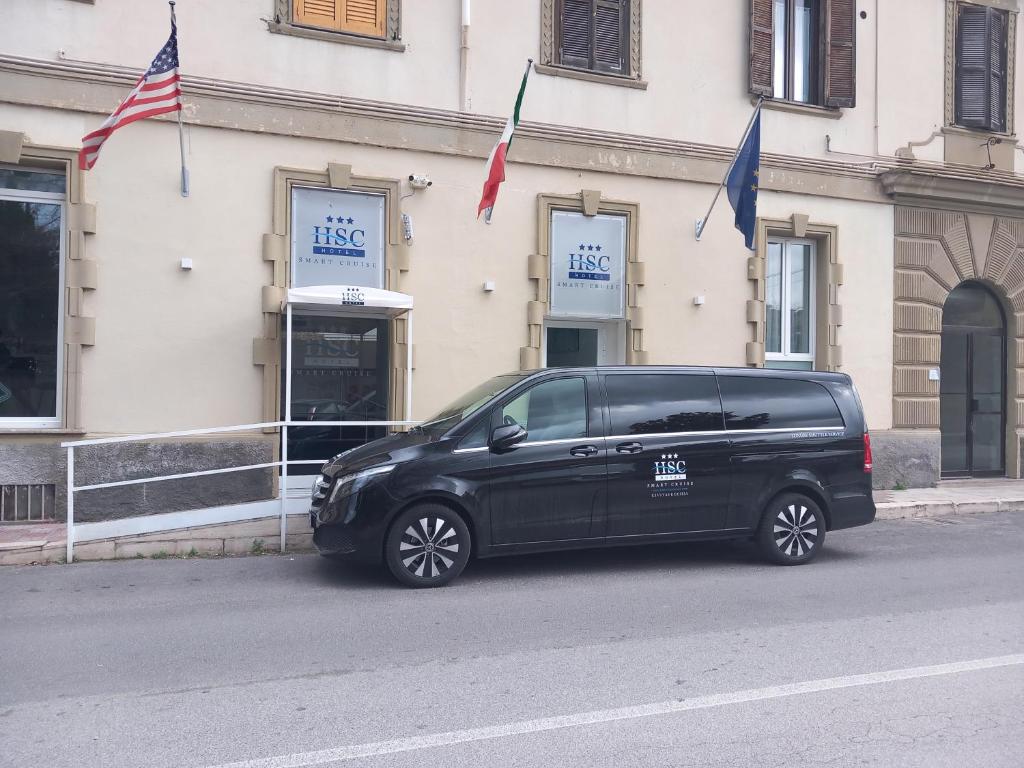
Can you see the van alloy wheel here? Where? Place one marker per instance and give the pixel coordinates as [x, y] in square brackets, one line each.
[792, 530]
[795, 530]
[427, 546]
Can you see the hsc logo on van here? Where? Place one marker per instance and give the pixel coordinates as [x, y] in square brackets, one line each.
[671, 467]
[669, 477]
[590, 264]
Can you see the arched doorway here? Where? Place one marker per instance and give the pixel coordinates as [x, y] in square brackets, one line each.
[972, 390]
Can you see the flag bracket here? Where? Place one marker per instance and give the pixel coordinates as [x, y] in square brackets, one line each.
[698, 229]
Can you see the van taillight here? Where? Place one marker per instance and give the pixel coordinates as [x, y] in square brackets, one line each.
[867, 451]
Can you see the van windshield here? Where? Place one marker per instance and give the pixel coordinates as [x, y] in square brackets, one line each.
[473, 400]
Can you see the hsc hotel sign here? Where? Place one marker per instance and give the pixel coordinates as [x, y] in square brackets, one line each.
[337, 238]
[588, 261]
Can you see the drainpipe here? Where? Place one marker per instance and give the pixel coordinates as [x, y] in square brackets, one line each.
[464, 58]
[878, 23]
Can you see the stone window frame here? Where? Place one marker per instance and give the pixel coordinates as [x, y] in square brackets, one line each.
[828, 311]
[282, 24]
[276, 249]
[949, 121]
[549, 65]
[80, 274]
[590, 203]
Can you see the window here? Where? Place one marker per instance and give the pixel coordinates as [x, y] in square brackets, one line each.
[758, 402]
[981, 67]
[795, 50]
[32, 247]
[594, 34]
[553, 410]
[646, 404]
[804, 51]
[366, 23]
[789, 304]
[358, 17]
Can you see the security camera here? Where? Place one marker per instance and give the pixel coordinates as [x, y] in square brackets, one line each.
[417, 181]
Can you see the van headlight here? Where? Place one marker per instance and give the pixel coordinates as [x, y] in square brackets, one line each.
[346, 485]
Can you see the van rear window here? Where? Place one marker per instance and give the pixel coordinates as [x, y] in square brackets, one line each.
[652, 403]
[756, 402]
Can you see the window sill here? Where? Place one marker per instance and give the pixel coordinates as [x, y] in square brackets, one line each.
[345, 38]
[958, 130]
[799, 108]
[593, 77]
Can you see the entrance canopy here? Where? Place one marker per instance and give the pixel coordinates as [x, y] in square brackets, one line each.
[348, 300]
[354, 299]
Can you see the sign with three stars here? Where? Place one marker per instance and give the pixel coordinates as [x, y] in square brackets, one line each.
[337, 238]
[588, 262]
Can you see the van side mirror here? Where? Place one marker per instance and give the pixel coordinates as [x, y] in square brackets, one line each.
[506, 436]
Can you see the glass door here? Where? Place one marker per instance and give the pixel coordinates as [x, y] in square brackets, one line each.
[340, 372]
[973, 379]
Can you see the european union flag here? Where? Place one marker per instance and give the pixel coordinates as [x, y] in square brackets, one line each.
[742, 182]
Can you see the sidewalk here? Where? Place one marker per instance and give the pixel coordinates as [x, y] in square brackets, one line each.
[952, 497]
[44, 542]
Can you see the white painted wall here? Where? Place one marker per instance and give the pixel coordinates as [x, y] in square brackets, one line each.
[694, 59]
[173, 348]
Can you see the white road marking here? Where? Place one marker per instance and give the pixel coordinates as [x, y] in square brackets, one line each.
[411, 743]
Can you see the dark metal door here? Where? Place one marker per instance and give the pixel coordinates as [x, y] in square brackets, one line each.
[972, 388]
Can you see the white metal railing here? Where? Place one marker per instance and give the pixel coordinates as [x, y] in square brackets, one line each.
[283, 464]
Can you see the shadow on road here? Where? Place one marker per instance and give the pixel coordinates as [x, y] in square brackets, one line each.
[627, 562]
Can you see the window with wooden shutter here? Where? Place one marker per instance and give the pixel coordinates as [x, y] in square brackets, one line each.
[595, 35]
[761, 46]
[841, 54]
[981, 51]
[358, 17]
[803, 51]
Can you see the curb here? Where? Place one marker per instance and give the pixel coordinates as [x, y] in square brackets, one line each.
[903, 510]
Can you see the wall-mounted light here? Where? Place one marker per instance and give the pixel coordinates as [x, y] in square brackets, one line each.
[698, 301]
[186, 264]
[489, 286]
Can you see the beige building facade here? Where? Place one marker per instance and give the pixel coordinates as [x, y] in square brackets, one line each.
[888, 188]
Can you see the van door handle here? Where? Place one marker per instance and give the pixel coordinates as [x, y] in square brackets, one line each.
[629, 447]
[583, 450]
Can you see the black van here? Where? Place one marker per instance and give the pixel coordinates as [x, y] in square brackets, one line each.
[566, 458]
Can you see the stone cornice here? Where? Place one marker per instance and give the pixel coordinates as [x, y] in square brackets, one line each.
[917, 187]
[96, 88]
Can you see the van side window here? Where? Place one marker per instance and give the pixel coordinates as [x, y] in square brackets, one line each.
[761, 403]
[552, 410]
[477, 437]
[654, 403]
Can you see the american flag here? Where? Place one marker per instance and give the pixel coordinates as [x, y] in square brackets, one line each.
[157, 92]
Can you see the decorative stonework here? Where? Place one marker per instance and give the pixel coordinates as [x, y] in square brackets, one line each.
[935, 251]
[590, 203]
[80, 273]
[266, 350]
[828, 354]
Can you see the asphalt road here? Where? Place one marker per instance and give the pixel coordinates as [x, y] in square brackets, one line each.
[903, 645]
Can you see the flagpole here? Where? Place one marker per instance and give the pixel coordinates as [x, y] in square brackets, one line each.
[181, 127]
[701, 223]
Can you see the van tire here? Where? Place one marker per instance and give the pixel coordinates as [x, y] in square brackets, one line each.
[792, 530]
[427, 546]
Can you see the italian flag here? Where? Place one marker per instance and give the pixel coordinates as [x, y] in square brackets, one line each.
[496, 160]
